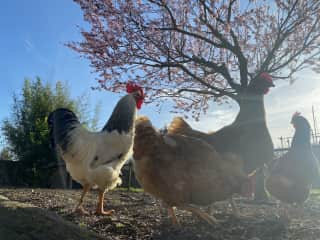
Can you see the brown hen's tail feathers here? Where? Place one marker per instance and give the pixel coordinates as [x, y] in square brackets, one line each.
[145, 138]
[143, 121]
[179, 126]
[144, 128]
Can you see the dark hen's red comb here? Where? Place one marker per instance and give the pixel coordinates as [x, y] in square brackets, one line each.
[296, 114]
[266, 76]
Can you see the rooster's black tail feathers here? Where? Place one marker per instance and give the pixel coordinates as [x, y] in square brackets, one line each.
[61, 122]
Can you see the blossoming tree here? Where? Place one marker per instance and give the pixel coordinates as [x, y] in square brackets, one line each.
[198, 50]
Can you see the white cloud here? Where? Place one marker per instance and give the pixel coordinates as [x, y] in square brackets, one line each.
[32, 49]
[217, 118]
[28, 45]
[287, 99]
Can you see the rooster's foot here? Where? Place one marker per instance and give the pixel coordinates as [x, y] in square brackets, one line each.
[81, 210]
[105, 213]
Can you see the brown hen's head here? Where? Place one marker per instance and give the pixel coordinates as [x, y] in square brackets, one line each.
[143, 121]
[137, 92]
[262, 84]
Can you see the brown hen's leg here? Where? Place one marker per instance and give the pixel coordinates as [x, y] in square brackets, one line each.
[284, 213]
[235, 210]
[100, 208]
[210, 209]
[205, 216]
[299, 211]
[79, 207]
[173, 216]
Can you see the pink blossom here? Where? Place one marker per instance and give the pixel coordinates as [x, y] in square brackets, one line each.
[168, 46]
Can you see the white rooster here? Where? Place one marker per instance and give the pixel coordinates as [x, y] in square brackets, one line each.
[96, 158]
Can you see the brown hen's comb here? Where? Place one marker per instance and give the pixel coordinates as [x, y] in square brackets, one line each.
[266, 76]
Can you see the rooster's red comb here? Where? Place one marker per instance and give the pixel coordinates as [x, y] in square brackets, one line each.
[266, 76]
[132, 87]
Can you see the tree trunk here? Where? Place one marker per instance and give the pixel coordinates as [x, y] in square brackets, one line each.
[256, 145]
[27, 222]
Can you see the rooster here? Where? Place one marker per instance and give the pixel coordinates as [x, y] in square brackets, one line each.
[248, 136]
[292, 175]
[184, 171]
[96, 158]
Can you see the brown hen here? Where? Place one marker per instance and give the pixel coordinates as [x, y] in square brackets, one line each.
[184, 171]
[248, 136]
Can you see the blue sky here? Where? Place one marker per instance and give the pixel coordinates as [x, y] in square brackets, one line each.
[33, 33]
[32, 44]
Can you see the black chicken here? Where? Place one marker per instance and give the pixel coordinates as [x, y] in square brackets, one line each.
[292, 175]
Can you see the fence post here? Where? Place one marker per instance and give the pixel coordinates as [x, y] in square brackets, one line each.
[281, 140]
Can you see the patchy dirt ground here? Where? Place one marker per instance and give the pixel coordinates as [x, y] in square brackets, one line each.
[139, 216]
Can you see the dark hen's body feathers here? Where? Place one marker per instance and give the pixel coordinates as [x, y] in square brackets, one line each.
[299, 162]
[292, 175]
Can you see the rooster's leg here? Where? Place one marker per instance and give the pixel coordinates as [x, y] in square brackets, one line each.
[197, 211]
[100, 208]
[79, 207]
[173, 216]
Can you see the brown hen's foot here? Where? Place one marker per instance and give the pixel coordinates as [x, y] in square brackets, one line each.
[235, 210]
[105, 213]
[211, 210]
[203, 215]
[173, 216]
[239, 215]
[284, 214]
[284, 217]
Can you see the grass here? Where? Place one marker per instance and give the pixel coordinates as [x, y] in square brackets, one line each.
[316, 193]
[82, 225]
